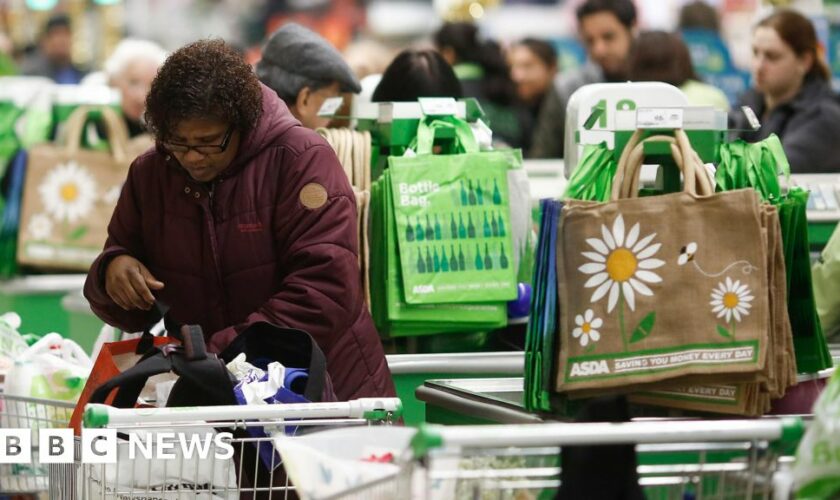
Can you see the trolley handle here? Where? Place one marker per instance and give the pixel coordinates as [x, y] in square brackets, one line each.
[783, 432]
[99, 415]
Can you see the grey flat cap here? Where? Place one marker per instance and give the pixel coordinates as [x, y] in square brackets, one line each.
[295, 56]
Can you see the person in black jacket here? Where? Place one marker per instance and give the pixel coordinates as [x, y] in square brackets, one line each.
[792, 97]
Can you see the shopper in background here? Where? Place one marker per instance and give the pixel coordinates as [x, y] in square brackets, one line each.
[52, 58]
[130, 69]
[239, 215]
[607, 29]
[484, 74]
[792, 95]
[659, 56]
[414, 74]
[698, 15]
[304, 70]
[533, 66]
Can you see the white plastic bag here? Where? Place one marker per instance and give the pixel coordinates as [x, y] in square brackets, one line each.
[331, 462]
[55, 370]
[161, 479]
[12, 345]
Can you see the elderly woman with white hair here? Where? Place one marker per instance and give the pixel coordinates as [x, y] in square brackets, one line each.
[130, 69]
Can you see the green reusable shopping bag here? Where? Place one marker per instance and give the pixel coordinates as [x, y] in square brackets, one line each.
[392, 315]
[758, 166]
[453, 228]
[826, 274]
[24, 121]
[593, 176]
[453, 224]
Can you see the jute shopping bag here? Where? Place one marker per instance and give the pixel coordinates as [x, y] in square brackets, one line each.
[70, 194]
[745, 398]
[663, 287]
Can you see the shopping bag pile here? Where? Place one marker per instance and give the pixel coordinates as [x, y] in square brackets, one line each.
[70, 193]
[353, 150]
[43, 377]
[24, 121]
[448, 232]
[677, 299]
[759, 166]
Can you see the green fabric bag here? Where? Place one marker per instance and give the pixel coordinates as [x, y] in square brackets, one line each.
[24, 120]
[593, 176]
[453, 225]
[758, 166]
[826, 273]
[392, 315]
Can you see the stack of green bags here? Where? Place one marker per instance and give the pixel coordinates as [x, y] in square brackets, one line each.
[758, 166]
[24, 120]
[441, 237]
[742, 165]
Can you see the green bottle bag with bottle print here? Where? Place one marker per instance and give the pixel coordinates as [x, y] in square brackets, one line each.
[453, 222]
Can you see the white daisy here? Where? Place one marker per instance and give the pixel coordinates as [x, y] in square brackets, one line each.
[40, 227]
[621, 263]
[687, 254]
[68, 192]
[112, 195]
[587, 327]
[731, 299]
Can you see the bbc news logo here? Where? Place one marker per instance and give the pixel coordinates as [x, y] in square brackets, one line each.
[100, 446]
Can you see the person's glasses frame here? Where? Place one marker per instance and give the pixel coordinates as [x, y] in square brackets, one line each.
[204, 149]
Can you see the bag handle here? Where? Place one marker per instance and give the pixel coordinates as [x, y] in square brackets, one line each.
[159, 310]
[686, 162]
[114, 125]
[626, 180]
[191, 363]
[430, 128]
[289, 345]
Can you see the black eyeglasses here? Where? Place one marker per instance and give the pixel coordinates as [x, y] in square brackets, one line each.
[205, 149]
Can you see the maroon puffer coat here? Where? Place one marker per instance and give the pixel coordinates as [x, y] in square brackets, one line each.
[266, 246]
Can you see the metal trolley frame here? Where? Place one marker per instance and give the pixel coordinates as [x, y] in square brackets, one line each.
[17, 412]
[729, 459]
[175, 479]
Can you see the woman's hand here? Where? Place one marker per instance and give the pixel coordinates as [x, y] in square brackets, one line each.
[129, 283]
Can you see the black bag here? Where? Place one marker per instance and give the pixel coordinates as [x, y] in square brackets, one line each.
[203, 379]
[263, 342]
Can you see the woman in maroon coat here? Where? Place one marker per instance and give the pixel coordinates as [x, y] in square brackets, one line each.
[238, 215]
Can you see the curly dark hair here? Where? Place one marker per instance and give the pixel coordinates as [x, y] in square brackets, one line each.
[205, 79]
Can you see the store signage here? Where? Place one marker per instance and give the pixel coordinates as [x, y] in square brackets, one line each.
[438, 106]
[659, 118]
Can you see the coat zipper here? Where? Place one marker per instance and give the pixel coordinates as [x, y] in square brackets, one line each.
[211, 221]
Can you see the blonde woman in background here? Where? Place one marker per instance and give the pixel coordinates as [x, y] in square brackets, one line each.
[130, 69]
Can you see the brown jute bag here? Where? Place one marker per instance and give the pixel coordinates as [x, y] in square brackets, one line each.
[70, 193]
[663, 287]
[750, 399]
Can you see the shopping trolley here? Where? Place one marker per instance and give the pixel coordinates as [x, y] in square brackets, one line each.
[17, 412]
[735, 459]
[254, 470]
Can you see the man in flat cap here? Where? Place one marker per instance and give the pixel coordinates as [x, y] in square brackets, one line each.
[304, 70]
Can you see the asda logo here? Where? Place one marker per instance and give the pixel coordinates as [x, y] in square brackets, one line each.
[588, 368]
